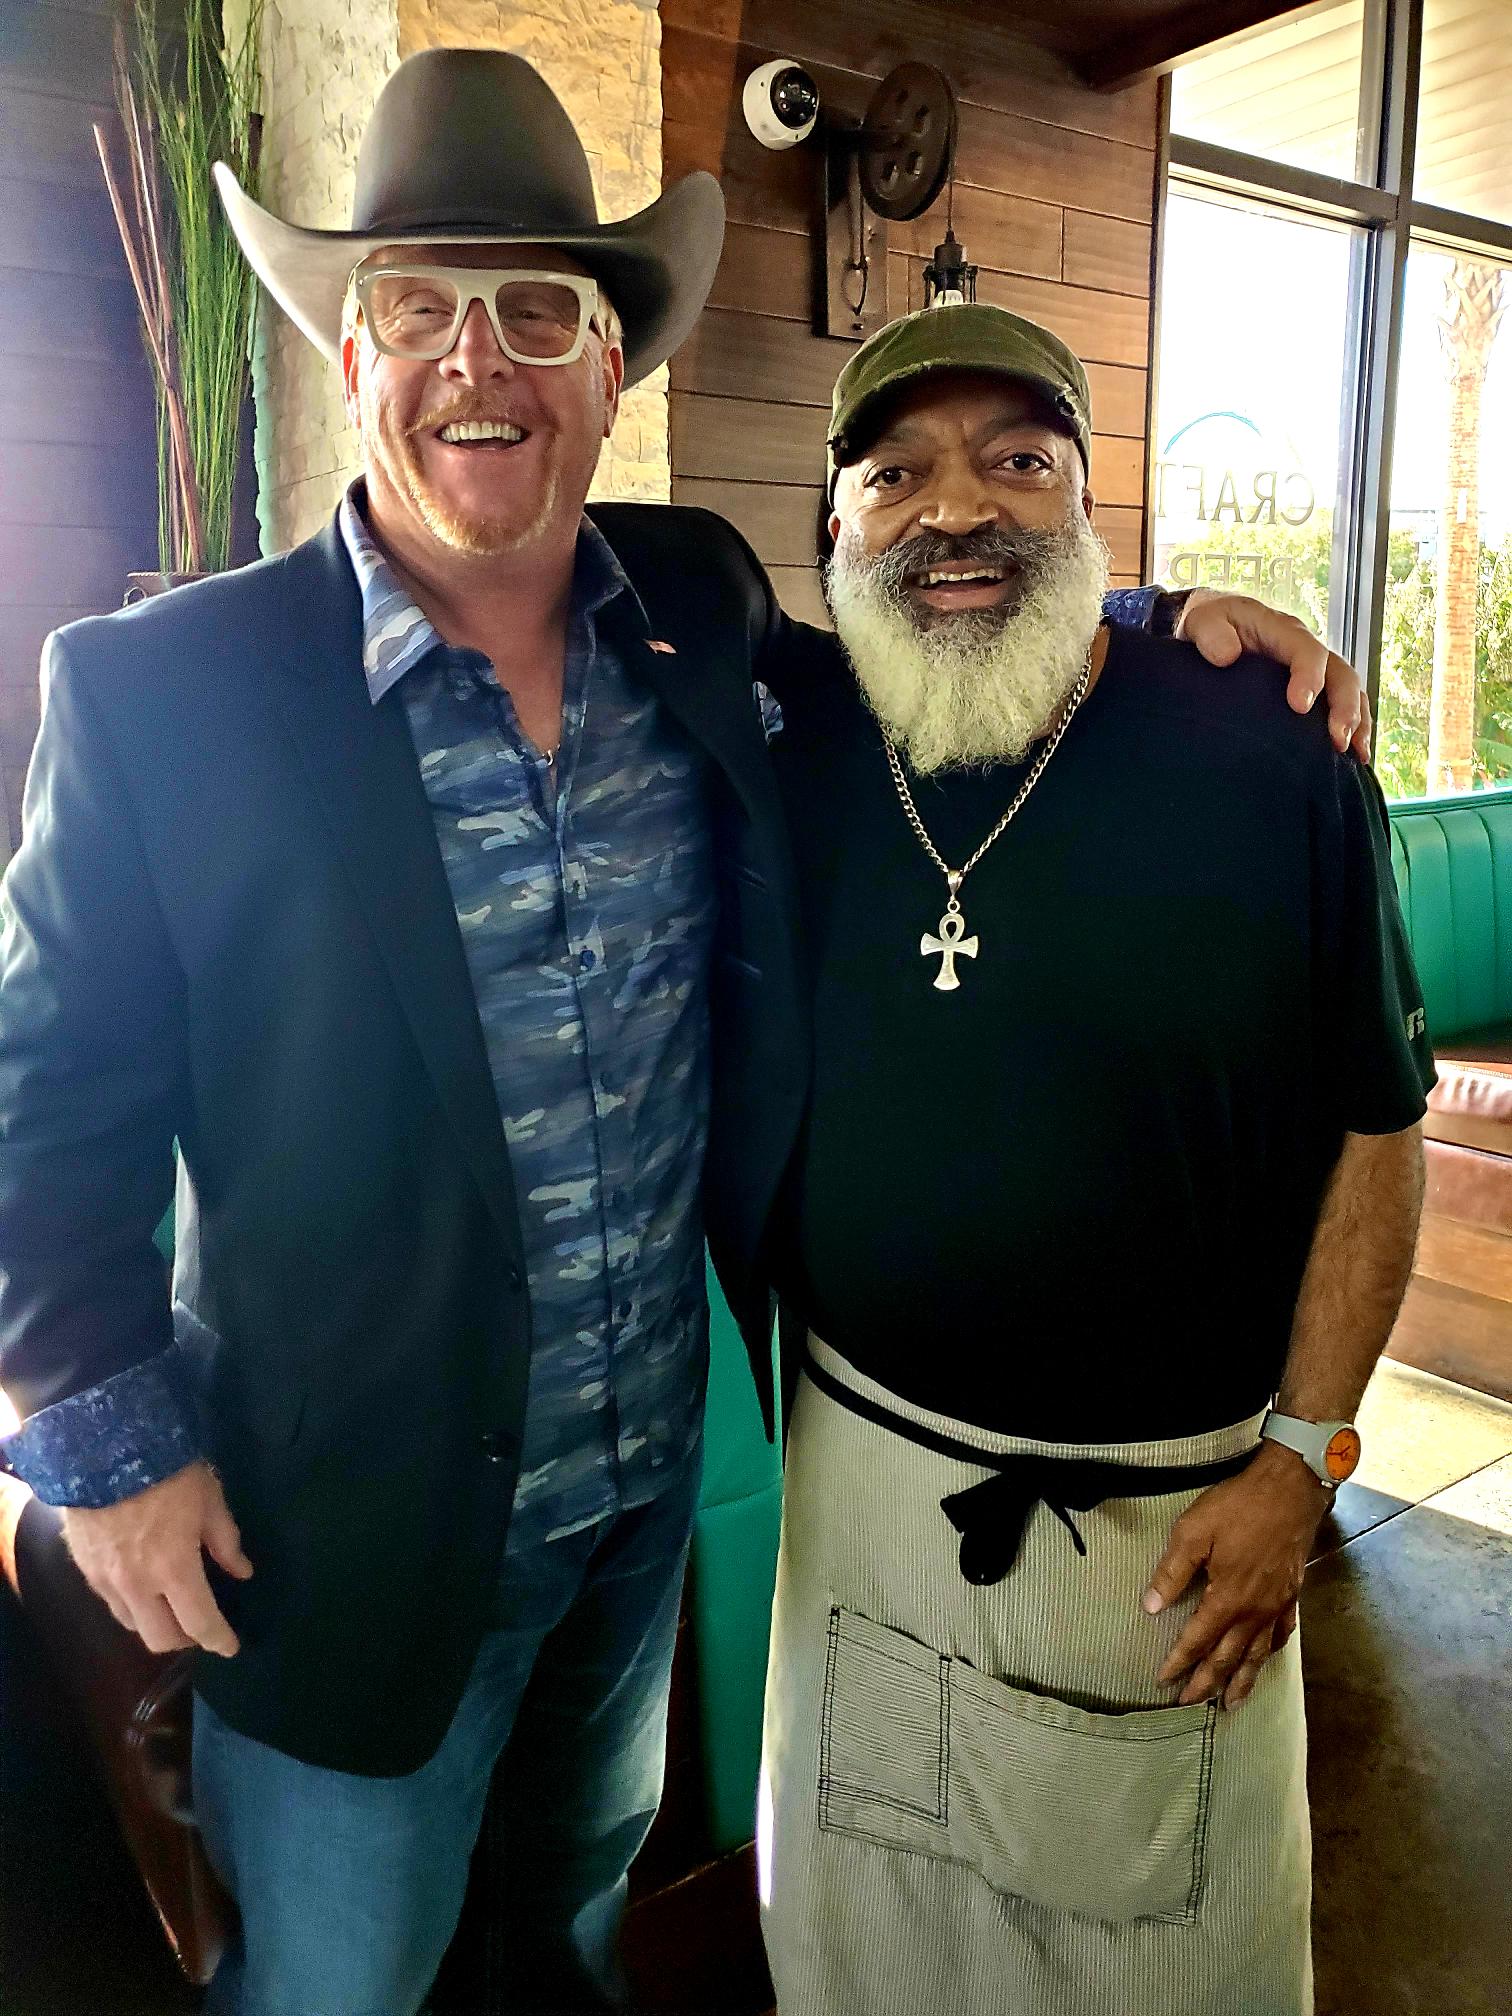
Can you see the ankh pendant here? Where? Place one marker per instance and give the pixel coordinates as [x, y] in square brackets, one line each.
[951, 944]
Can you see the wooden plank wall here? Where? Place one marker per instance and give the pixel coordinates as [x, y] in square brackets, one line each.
[1055, 197]
[77, 444]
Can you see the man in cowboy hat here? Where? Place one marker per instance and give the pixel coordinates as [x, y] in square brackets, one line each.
[395, 879]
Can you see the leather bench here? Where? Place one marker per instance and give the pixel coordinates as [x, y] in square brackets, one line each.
[134, 1706]
[1453, 863]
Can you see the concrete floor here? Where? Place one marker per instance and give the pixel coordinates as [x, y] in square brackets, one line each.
[1407, 1648]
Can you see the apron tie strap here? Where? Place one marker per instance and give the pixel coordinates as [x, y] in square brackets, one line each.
[991, 1515]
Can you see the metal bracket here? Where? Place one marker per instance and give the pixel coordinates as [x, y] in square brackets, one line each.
[891, 166]
[850, 294]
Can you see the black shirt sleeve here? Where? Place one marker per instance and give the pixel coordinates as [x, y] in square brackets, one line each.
[1375, 1056]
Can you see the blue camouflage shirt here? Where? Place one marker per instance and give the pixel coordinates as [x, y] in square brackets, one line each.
[585, 896]
[586, 904]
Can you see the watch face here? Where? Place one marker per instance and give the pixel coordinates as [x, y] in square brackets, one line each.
[1341, 1455]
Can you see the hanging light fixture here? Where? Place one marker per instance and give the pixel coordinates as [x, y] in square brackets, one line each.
[949, 279]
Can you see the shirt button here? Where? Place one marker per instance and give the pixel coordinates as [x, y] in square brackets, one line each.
[622, 1312]
[514, 1279]
[618, 1199]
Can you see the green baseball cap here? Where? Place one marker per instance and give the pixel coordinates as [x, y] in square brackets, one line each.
[962, 336]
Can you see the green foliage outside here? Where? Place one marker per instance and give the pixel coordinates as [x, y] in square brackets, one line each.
[1293, 574]
[1407, 673]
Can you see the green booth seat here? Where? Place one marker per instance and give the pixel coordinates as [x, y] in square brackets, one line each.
[1453, 863]
[734, 1567]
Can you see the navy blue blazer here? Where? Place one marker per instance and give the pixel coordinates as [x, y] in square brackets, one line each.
[229, 926]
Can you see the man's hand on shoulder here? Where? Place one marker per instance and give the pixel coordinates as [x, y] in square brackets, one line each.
[1223, 627]
[144, 1559]
[1250, 1536]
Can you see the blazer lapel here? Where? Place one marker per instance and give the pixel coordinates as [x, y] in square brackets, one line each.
[360, 760]
[707, 687]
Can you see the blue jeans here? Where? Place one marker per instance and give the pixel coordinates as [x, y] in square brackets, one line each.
[349, 1888]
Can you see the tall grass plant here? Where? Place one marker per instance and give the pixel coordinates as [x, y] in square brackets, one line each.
[187, 100]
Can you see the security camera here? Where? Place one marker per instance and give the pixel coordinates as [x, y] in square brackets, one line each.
[781, 103]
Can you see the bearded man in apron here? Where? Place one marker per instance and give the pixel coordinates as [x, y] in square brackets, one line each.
[1104, 1209]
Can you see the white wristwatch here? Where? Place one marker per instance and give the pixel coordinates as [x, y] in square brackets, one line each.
[1330, 1449]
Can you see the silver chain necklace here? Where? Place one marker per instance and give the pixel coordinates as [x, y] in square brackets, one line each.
[950, 942]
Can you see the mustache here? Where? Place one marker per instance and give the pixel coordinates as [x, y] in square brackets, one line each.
[456, 411]
[990, 546]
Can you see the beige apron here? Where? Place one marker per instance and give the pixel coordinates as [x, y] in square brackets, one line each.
[973, 1800]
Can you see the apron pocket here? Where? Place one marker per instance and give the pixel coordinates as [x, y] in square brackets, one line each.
[1105, 1815]
[1101, 1815]
[885, 1739]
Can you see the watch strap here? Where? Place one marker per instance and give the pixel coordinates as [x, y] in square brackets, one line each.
[1308, 1439]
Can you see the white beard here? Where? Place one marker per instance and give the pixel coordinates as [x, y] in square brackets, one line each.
[979, 686]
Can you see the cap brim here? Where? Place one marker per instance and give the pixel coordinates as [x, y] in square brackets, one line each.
[657, 266]
[868, 412]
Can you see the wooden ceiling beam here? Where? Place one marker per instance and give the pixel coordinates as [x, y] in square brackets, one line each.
[1175, 33]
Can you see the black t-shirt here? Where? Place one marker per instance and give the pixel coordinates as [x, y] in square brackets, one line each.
[1074, 1198]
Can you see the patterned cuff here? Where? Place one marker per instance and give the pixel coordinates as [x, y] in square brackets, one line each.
[108, 1442]
[1137, 609]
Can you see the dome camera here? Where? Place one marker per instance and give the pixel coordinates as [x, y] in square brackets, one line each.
[781, 103]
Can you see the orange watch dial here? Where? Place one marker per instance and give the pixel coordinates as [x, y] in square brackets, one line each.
[1342, 1454]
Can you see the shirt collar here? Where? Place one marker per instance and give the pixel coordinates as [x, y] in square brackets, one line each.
[396, 634]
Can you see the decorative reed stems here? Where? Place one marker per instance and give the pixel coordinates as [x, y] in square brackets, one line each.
[194, 291]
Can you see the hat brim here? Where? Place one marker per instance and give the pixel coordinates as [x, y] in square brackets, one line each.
[657, 266]
[861, 426]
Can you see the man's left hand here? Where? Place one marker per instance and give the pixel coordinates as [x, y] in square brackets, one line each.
[1224, 626]
[1251, 1535]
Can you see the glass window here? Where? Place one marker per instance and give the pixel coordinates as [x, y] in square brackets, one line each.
[1250, 407]
[1290, 93]
[1446, 650]
[1464, 143]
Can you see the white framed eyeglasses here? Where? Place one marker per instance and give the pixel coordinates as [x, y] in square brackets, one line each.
[536, 317]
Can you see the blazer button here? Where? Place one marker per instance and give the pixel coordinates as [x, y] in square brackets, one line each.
[515, 1279]
[496, 1444]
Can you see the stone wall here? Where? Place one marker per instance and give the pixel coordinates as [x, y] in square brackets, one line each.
[324, 63]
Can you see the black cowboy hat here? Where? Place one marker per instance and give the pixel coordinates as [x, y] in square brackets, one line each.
[473, 146]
